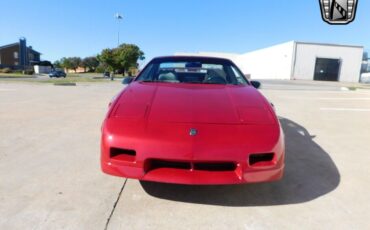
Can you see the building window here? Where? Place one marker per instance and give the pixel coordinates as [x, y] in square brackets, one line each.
[15, 54]
[16, 63]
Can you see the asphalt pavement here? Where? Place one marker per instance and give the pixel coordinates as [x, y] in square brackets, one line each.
[50, 175]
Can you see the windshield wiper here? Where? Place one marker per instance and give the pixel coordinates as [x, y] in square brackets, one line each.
[214, 83]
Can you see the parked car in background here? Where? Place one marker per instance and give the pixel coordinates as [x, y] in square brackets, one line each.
[106, 74]
[57, 73]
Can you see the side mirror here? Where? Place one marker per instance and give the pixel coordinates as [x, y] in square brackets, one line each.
[127, 80]
[256, 84]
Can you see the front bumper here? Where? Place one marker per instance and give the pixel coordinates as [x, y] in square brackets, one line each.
[181, 176]
[210, 146]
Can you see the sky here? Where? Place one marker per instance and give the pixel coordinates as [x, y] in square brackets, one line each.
[163, 27]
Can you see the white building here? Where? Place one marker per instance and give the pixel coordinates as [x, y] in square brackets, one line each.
[299, 60]
[39, 69]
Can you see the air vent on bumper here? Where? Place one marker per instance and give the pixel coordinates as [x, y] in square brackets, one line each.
[119, 154]
[261, 159]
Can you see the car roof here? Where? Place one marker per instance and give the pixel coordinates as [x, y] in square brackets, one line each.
[191, 59]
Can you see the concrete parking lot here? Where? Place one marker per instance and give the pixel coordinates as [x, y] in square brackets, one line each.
[50, 175]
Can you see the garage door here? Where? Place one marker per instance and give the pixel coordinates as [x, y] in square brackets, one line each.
[327, 69]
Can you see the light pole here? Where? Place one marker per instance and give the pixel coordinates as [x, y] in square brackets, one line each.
[118, 17]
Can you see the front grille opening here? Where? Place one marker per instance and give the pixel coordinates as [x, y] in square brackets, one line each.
[262, 157]
[122, 154]
[215, 166]
[199, 166]
[157, 164]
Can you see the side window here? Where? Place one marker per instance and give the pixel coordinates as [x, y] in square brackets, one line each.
[15, 54]
[239, 77]
[146, 74]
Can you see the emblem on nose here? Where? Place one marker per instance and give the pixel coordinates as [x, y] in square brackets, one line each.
[193, 132]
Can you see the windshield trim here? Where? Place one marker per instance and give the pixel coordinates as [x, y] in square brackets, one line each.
[205, 60]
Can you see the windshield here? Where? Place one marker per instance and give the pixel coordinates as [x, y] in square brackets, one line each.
[194, 72]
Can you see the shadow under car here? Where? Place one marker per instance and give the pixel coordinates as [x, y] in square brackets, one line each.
[309, 174]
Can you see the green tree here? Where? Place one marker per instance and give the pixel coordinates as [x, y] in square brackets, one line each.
[70, 63]
[127, 56]
[90, 63]
[107, 58]
[75, 62]
[57, 64]
[65, 63]
[121, 58]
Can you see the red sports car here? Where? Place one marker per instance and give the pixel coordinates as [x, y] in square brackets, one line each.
[192, 120]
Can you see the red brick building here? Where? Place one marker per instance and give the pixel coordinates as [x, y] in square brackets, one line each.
[18, 55]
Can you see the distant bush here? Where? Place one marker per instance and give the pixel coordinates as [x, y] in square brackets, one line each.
[6, 70]
[17, 71]
[28, 72]
[100, 69]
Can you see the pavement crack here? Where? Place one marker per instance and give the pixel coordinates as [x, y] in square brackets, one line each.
[114, 205]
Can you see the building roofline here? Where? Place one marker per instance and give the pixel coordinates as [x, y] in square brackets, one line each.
[34, 50]
[17, 43]
[327, 44]
[6, 46]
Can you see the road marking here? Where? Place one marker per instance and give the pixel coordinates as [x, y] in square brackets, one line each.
[345, 98]
[345, 109]
[327, 98]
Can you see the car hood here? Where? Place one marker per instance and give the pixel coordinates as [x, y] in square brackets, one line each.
[193, 103]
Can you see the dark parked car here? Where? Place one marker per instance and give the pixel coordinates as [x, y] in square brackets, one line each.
[57, 73]
[106, 74]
